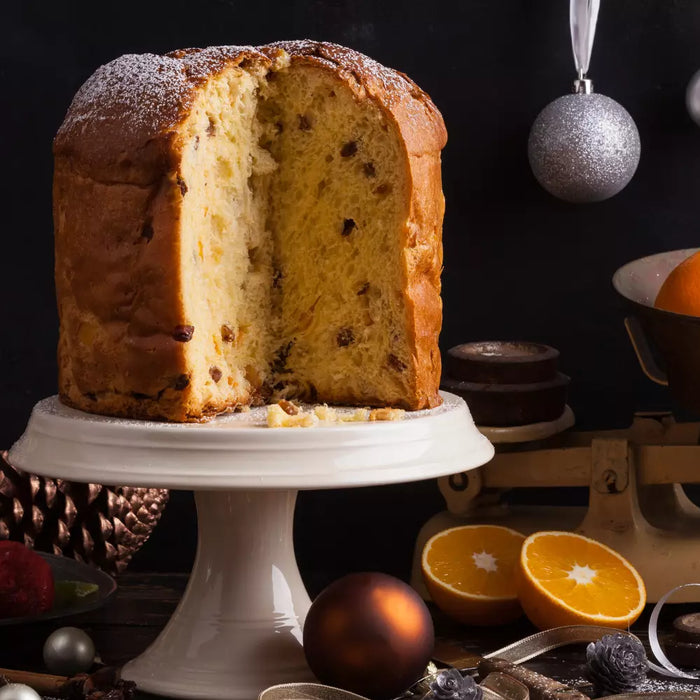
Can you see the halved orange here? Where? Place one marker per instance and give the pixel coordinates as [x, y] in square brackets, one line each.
[567, 579]
[468, 571]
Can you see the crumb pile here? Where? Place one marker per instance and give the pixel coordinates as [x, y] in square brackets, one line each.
[287, 414]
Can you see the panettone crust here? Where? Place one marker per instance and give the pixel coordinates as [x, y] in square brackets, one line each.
[117, 197]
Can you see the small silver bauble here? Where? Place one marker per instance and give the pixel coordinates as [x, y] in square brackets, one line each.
[584, 147]
[18, 691]
[68, 651]
[692, 98]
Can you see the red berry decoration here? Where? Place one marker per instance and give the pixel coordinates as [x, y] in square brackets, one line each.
[369, 633]
[26, 581]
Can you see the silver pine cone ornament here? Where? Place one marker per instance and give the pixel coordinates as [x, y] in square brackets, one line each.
[451, 685]
[93, 523]
[616, 663]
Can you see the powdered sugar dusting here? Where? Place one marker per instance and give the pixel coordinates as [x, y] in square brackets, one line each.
[667, 685]
[253, 418]
[201, 63]
[143, 91]
[363, 67]
[395, 90]
[649, 685]
[140, 96]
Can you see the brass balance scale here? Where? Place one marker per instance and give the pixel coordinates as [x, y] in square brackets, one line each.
[636, 504]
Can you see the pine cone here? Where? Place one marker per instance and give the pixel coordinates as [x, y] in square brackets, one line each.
[616, 663]
[451, 685]
[100, 525]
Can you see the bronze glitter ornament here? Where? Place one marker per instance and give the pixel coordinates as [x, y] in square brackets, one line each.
[93, 523]
[369, 633]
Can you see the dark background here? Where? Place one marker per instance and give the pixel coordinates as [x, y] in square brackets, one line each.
[518, 263]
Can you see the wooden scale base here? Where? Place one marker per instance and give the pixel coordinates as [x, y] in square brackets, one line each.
[636, 503]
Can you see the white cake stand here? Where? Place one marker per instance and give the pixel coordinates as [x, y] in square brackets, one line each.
[238, 628]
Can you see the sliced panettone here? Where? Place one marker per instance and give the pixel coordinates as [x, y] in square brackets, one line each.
[239, 224]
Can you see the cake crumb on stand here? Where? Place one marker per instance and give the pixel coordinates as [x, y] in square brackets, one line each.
[387, 414]
[286, 414]
[277, 417]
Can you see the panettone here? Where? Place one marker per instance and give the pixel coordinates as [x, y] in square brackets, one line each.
[239, 224]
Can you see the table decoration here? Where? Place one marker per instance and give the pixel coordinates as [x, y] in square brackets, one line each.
[104, 684]
[69, 650]
[100, 524]
[616, 663]
[368, 633]
[78, 587]
[18, 691]
[583, 147]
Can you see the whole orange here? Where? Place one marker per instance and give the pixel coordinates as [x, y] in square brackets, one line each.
[680, 292]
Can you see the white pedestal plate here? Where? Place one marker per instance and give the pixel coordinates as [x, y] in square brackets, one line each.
[238, 627]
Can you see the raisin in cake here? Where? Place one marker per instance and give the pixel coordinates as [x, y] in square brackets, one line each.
[240, 224]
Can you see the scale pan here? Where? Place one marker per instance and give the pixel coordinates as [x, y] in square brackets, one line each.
[667, 344]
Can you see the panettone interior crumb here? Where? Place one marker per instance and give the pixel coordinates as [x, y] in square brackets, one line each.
[226, 251]
[337, 202]
[292, 271]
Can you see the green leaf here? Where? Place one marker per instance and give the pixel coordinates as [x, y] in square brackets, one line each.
[70, 593]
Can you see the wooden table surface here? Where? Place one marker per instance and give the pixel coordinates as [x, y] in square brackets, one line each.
[144, 602]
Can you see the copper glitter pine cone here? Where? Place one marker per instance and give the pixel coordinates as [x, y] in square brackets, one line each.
[93, 523]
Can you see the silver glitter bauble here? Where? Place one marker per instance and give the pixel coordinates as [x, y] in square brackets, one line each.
[68, 651]
[18, 691]
[584, 147]
[692, 98]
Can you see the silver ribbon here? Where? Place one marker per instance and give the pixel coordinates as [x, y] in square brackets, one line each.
[583, 16]
[518, 652]
[542, 642]
[307, 691]
[524, 650]
[666, 668]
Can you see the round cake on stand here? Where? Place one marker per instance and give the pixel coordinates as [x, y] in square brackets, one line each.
[238, 627]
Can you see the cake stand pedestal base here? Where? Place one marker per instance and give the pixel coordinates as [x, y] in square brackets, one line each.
[238, 627]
